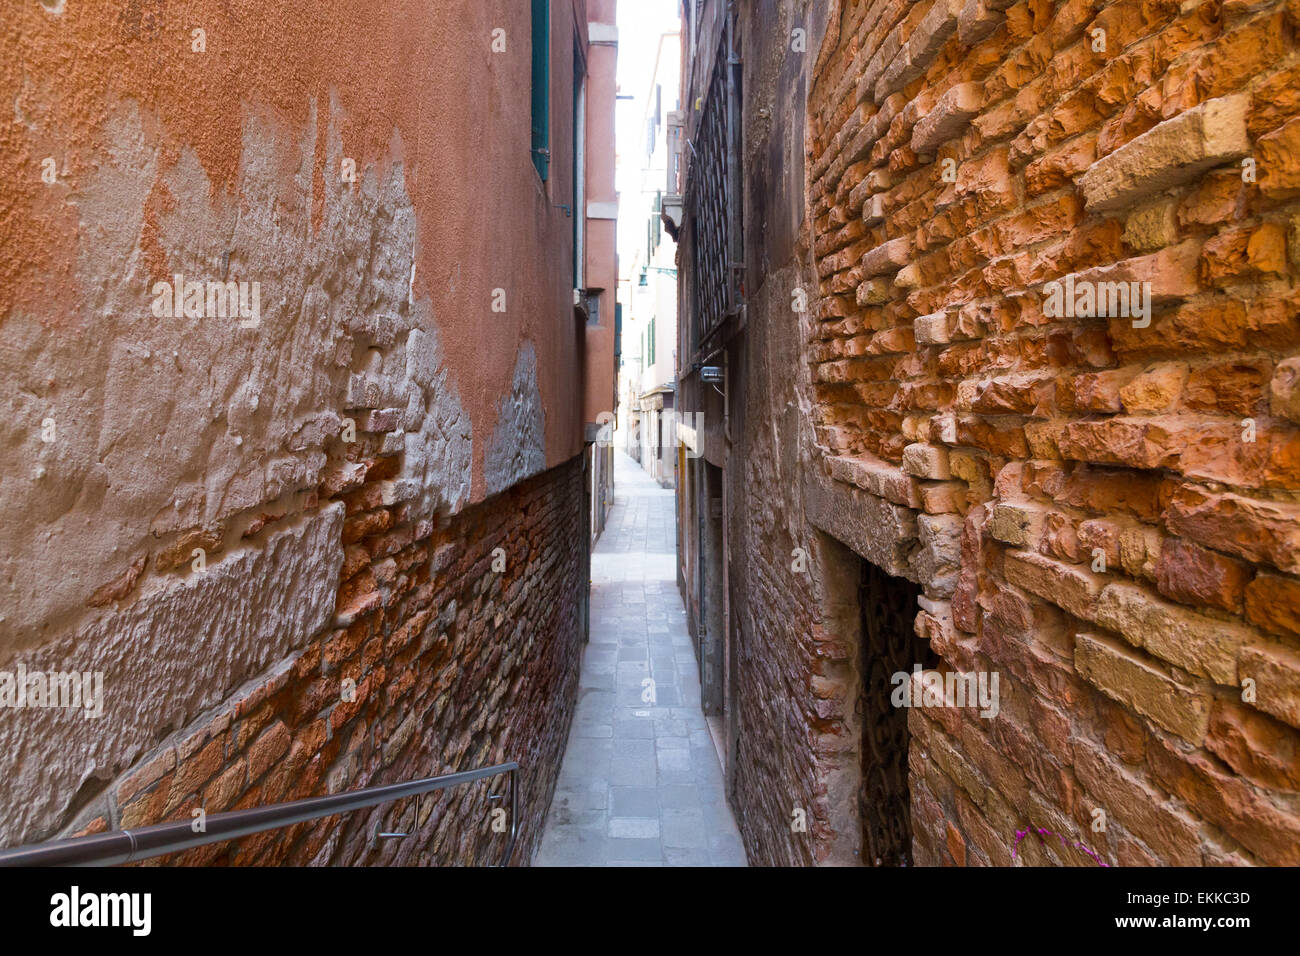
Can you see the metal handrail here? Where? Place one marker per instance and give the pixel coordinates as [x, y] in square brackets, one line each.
[128, 846]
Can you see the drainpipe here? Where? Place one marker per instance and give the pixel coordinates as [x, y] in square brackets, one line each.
[726, 405]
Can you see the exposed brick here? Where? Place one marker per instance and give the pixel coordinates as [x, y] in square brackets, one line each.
[1099, 469]
[285, 738]
[1273, 603]
[1070, 587]
[268, 748]
[1016, 523]
[977, 20]
[1152, 227]
[1171, 833]
[1276, 673]
[1258, 530]
[1155, 390]
[119, 587]
[1278, 159]
[878, 477]
[1197, 576]
[1173, 152]
[1254, 745]
[931, 329]
[1284, 390]
[926, 461]
[1237, 807]
[1173, 272]
[1122, 674]
[221, 793]
[1251, 253]
[1200, 644]
[949, 116]
[921, 48]
[887, 257]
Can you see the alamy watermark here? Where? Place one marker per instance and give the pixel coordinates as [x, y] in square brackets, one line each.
[130, 910]
[683, 429]
[192, 299]
[923, 688]
[1084, 299]
[64, 689]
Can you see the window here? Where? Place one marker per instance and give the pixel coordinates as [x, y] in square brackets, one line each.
[579, 159]
[651, 343]
[618, 333]
[656, 222]
[541, 85]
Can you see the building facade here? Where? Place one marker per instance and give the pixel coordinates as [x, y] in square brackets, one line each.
[650, 312]
[596, 210]
[1001, 297]
[309, 351]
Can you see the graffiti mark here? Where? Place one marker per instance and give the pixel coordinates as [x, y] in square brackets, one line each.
[1021, 834]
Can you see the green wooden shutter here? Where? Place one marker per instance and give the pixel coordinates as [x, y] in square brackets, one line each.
[541, 84]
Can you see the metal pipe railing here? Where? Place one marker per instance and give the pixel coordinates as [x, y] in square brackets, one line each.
[129, 846]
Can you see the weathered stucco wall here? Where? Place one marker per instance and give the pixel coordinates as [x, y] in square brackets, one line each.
[167, 480]
[602, 235]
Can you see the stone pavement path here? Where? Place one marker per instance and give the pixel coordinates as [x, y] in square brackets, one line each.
[640, 784]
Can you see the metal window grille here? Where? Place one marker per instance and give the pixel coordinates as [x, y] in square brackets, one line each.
[712, 202]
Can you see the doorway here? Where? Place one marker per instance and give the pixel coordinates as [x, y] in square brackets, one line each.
[889, 645]
[713, 624]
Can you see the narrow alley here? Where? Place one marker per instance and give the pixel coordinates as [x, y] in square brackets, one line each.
[687, 433]
[640, 784]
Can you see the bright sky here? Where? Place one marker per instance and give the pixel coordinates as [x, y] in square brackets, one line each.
[640, 25]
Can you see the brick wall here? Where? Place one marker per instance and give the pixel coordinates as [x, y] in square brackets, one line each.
[783, 653]
[1102, 511]
[461, 655]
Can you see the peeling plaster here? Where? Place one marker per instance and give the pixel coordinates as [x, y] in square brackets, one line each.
[439, 449]
[170, 424]
[517, 449]
[165, 658]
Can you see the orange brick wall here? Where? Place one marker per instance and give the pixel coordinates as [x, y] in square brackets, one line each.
[1109, 514]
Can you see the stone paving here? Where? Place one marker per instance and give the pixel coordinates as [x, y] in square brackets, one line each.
[640, 784]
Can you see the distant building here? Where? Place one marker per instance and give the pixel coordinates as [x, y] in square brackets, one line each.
[648, 372]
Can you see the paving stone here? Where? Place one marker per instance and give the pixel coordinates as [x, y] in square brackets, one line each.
[633, 747]
[632, 772]
[633, 727]
[684, 828]
[639, 850]
[634, 802]
[636, 828]
[567, 845]
[686, 856]
[679, 797]
[678, 760]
